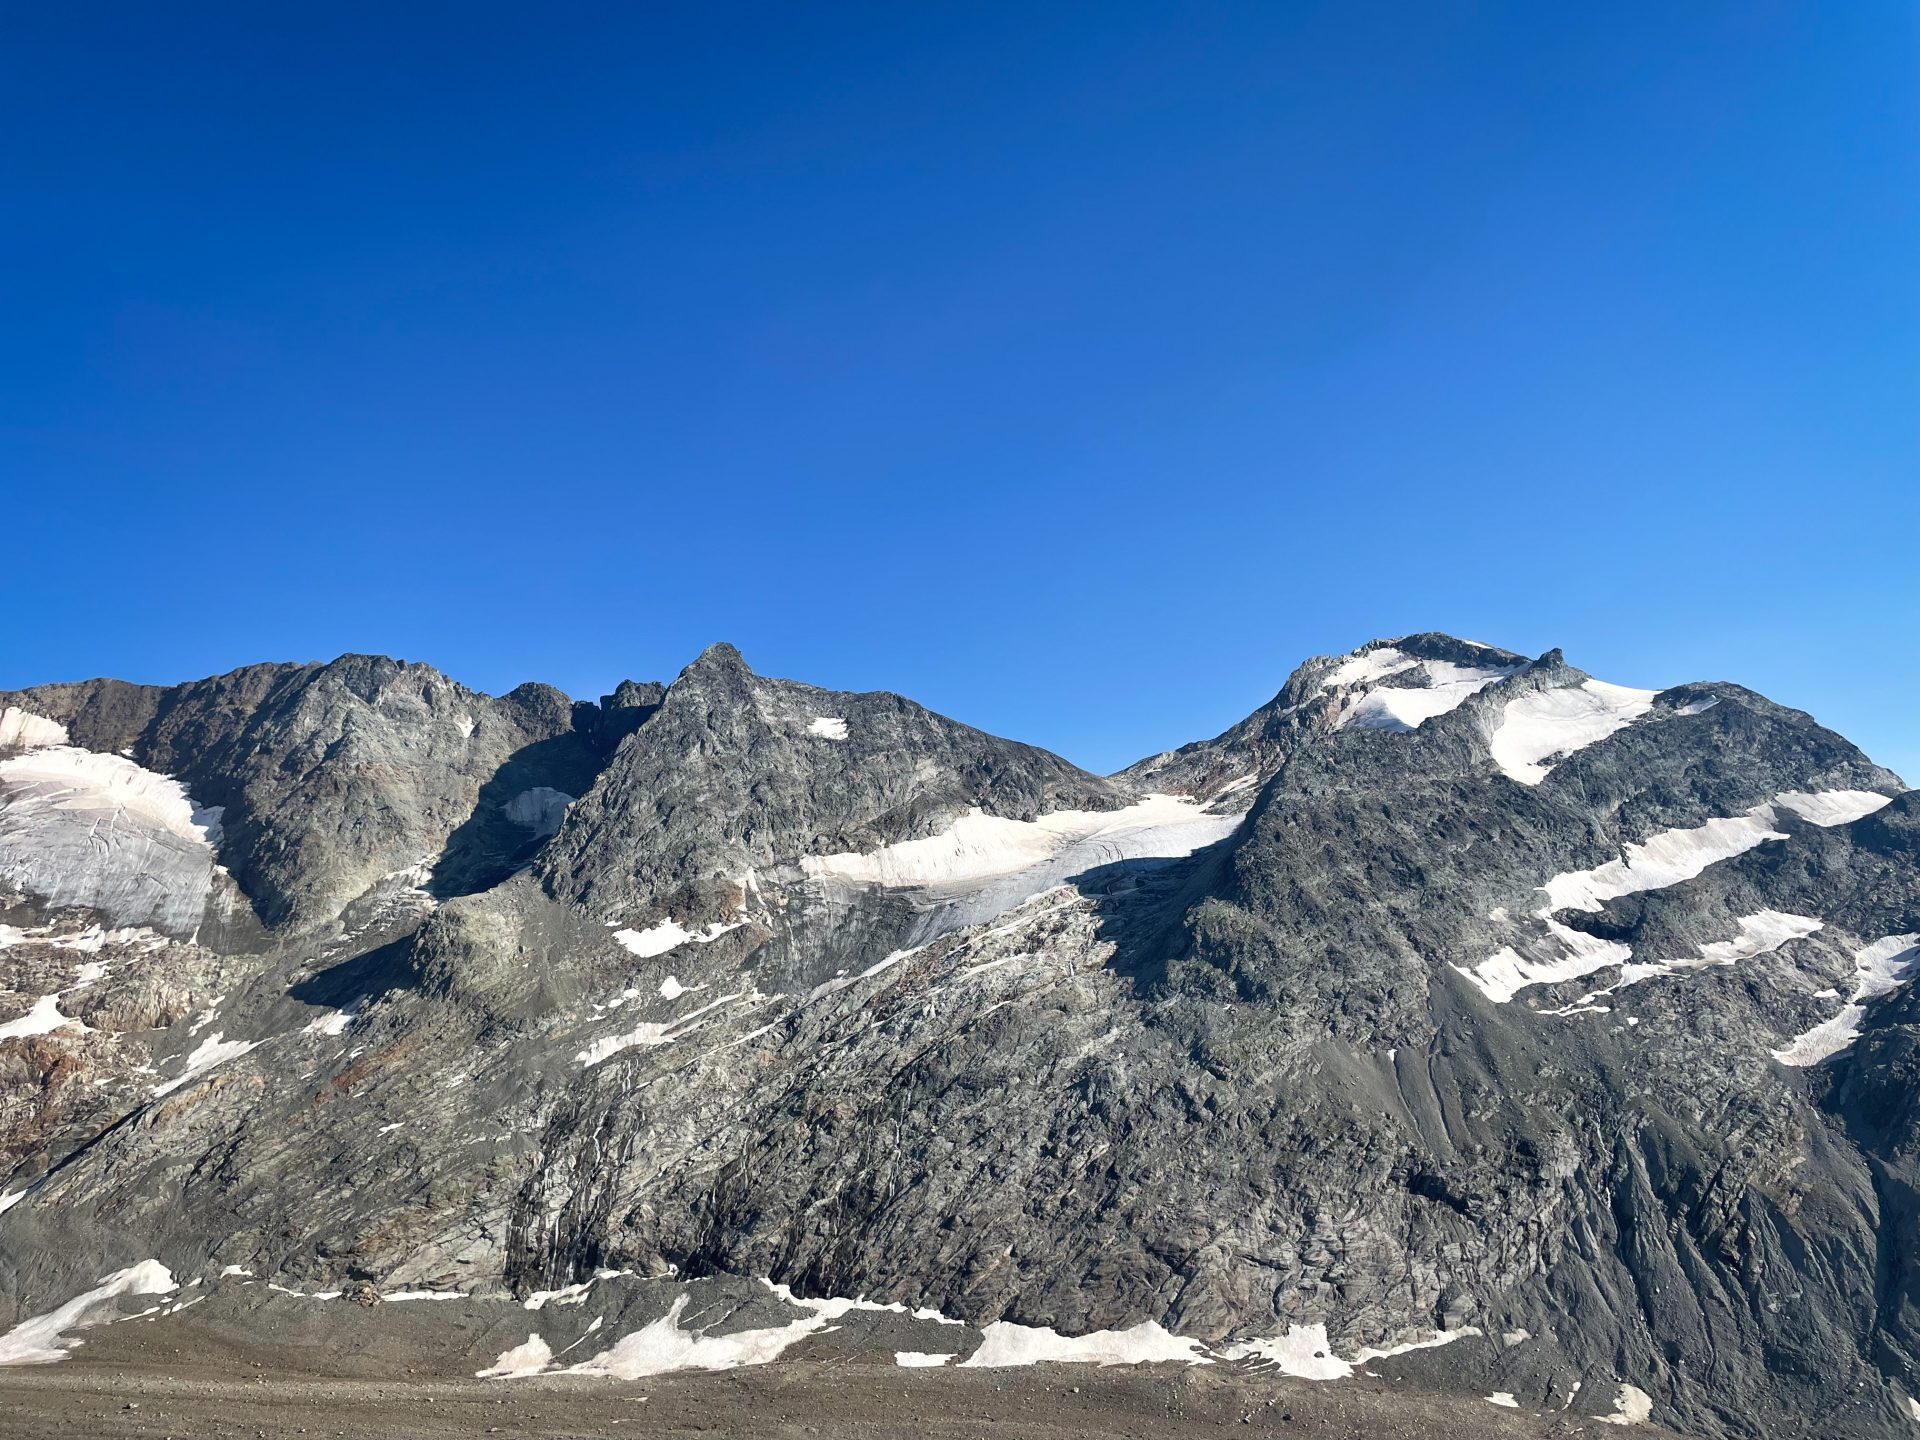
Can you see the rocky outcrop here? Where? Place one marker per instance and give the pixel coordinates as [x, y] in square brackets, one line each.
[1450, 997]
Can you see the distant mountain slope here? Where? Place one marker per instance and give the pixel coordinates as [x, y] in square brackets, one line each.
[1454, 1013]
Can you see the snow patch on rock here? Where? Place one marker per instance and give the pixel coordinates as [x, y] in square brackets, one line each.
[1004, 1343]
[828, 727]
[669, 934]
[1393, 707]
[527, 1359]
[662, 1347]
[78, 828]
[1833, 807]
[43, 1019]
[1544, 724]
[42, 1339]
[981, 847]
[212, 1052]
[1880, 968]
[23, 730]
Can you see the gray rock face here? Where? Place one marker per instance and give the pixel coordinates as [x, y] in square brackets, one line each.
[1449, 992]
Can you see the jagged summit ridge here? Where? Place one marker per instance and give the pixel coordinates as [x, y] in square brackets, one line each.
[1533, 1032]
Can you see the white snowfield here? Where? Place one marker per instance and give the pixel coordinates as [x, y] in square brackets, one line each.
[1406, 707]
[1546, 723]
[1880, 969]
[980, 848]
[1004, 1343]
[42, 1019]
[23, 730]
[1668, 858]
[43, 1339]
[1758, 934]
[662, 1347]
[828, 727]
[669, 934]
[78, 828]
[668, 1344]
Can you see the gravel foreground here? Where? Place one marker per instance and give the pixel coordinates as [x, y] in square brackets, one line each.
[238, 1396]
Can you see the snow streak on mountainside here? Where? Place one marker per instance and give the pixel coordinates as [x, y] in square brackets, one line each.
[1453, 1014]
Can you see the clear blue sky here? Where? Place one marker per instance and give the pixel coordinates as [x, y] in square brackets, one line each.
[1073, 369]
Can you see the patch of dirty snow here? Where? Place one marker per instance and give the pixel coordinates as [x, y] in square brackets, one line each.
[662, 1347]
[979, 848]
[1306, 1353]
[528, 1359]
[920, 1359]
[1631, 1406]
[1879, 969]
[652, 1032]
[1759, 934]
[1665, 859]
[1546, 724]
[42, 1339]
[1367, 666]
[43, 1019]
[211, 1053]
[1004, 1343]
[1503, 1398]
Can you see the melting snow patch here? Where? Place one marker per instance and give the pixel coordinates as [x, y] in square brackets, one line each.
[1759, 934]
[98, 830]
[1563, 954]
[528, 1359]
[669, 934]
[334, 1022]
[1631, 1406]
[392, 1296]
[1666, 859]
[1834, 807]
[834, 1308]
[1368, 666]
[981, 847]
[1698, 707]
[1305, 1352]
[828, 727]
[919, 1359]
[1503, 1398]
[20, 730]
[1406, 708]
[11, 1198]
[1004, 1343]
[651, 1032]
[211, 1052]
[663, 1347]
[43, 1019]
[1546, 723]
[1880, 969]
[41, 1340]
